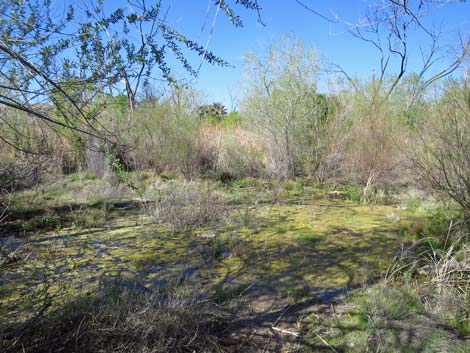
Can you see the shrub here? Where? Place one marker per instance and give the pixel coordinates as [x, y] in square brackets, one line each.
[21, 173]
[188, 207]
[440, 219]
[49, 222]
[284, 107]
[443, 159]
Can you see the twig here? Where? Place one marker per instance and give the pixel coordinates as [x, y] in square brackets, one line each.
[246, 289]
[326, 343]
[292, 333]
[280, 316]
[333, 310]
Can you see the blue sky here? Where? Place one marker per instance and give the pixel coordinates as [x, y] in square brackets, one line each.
[333, 41]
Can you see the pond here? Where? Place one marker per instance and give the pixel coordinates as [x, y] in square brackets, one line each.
[280, 252]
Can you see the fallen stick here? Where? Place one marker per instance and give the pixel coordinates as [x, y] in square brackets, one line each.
[246, 289]
[326, 343]
[206, 235]
[296, 334]
[280, 316]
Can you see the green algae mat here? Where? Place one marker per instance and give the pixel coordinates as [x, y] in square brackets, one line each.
[294, 250]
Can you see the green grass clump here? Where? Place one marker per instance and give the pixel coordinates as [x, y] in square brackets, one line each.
[412, 204]
[49, 222]
[388, 303]
[297, 186]
[384, 318]
[246, 183]
[351, 192]
[225, 245]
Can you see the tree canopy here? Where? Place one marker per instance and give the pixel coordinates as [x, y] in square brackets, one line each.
[68, 57]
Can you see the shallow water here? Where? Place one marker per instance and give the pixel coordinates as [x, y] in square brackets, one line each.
[296, 250]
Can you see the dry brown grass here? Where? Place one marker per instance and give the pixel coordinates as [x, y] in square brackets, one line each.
[444, 276]
[234, 150]
[115, 319]
[188, 206]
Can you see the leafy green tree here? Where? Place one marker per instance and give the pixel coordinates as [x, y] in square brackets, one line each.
[215, 111]
[283, 103]
[45, 59]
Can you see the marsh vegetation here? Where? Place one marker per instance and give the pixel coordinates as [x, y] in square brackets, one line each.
[306, 258]
[137, 218]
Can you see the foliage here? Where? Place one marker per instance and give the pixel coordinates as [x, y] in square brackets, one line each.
[214, 111]
[443, 158]
[376, 131]
[50, 59]
[233, 118]
[80, 88]
[283, 104]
